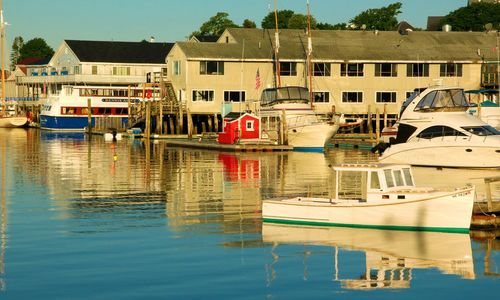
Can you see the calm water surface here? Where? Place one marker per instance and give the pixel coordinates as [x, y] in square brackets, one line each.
[87, 219]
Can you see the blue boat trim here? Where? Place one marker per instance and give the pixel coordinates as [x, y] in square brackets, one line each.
[309, 149]
[387, 227]
[69, 122]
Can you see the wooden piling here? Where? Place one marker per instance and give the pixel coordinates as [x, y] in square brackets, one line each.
[385, 115]
[147, 129]
[89, 116]
[189, 124]
[370, 127]
[377, 126]
[129, 102]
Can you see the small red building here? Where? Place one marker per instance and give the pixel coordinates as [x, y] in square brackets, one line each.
[239, 127]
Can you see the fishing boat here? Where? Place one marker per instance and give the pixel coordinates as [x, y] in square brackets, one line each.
[377, 196]
[389, 260]
[69, 109]
[435, 129]
[306, 130]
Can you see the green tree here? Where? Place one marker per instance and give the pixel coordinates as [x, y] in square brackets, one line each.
[36, 47]
[378, 18]
[327, 26]
[299, 21]
[15, 53]
[249, 24]
[474, 17]
[215, 25]
[269, 22]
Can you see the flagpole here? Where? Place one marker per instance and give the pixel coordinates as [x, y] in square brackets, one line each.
[2, 29]
[309, 54]
[276, 46]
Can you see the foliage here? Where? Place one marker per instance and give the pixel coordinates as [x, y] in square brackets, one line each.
[377, 18]
[249, 24]
[36, 47]
[15, 53]
[299, 21]
[284, 16]
[474, 17]
[215, 25]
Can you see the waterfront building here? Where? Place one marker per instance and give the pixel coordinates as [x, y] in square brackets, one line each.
[354, 72]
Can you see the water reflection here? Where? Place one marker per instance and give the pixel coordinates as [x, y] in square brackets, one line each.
[3, 228]
[390, 256]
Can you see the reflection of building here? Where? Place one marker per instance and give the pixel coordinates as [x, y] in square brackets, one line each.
[390, 256]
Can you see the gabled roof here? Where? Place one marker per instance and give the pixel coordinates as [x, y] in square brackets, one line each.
[205, 38]
[34, 61]
[120, 52]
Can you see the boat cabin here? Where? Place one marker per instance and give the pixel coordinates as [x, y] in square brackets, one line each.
[288, 94]
[239, 127]
[373, 182]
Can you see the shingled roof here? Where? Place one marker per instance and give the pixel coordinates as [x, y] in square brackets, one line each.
[348, 45]
[120, 52]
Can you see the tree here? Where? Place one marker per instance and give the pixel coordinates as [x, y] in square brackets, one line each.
[327, 26]
[15, 53]
[269, 22]
[474, 17]
[249, 24]
[378, 18]
[215, 25]
[36, 47]
[299, 21]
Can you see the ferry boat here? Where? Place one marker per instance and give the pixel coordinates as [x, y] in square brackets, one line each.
[68, 110]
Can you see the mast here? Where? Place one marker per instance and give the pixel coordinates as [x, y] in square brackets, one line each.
[276, 47]
[2, 29]
[309, 54]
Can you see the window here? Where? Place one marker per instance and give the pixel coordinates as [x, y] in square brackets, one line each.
[386, 97]
[417, 70]
[386, 70]
[249, 125]
[94, 70]
[321, 97]
[200, 95]
[407, 175]
[76, 70]
[374, 182]
[288, 68]
[211, 67]
[121, 71]
[398, 177]
[388, 178]
[355, 70]
[352, 97]
[321, 69]
[450, 70]
[177, 67]
[234, 96]
[438, 131]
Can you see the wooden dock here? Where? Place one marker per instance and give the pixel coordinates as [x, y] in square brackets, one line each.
[353, 140]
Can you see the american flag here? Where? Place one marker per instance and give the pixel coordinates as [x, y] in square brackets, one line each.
[257, 80]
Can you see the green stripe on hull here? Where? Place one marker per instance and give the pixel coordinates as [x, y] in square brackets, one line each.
[387, 227]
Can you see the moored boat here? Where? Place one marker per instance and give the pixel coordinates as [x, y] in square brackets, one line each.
[386, 198]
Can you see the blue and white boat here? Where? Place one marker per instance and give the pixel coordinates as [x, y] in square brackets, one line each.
[68, 110]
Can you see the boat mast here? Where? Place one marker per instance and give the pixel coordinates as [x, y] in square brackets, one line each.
[309, 54]
[2, 29]
[276, 47]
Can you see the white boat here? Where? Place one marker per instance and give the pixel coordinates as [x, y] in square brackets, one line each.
[390, 257]
[68, 110]
[385, 197]
[435, 129]
[13, 122]
[305, 129]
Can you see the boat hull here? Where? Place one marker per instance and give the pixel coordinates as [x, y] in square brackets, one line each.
[13, 122]
[68, 123]
[440, 211]
[312, 137]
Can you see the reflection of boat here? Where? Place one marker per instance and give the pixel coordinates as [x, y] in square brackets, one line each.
[306, 130]
[435, 130]
[391, 256]
[383, 196]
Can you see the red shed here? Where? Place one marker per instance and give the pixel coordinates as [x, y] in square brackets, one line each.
[238, 127]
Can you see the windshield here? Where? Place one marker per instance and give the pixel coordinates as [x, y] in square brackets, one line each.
[481, 130]
[451, 98]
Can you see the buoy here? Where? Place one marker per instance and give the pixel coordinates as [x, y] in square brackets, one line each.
[115, 157]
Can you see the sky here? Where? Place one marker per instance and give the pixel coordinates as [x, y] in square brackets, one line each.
[174, 20]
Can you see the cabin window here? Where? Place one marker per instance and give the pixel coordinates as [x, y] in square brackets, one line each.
[321, 69]
[386, 70]
[234, 96]
[439, 131]
[288, 68]
[250, 125]
[386, 97]
[398, 178]
[388, 178]
[352, 70]
[356, 97]
[211, 67]
[417, 70]
[450, 70]
[481, 130]
[321, 97]
[374, 181]
[407, 175]
[200, 95]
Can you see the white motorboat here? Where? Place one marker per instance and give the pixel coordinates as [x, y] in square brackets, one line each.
[435, 129]
[385, 197]
[305, 129]
[13, 122]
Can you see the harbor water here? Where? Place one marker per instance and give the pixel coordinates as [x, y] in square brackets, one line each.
[82, 218]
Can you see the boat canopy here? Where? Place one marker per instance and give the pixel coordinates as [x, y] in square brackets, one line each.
[285, 94]
[446, 98]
